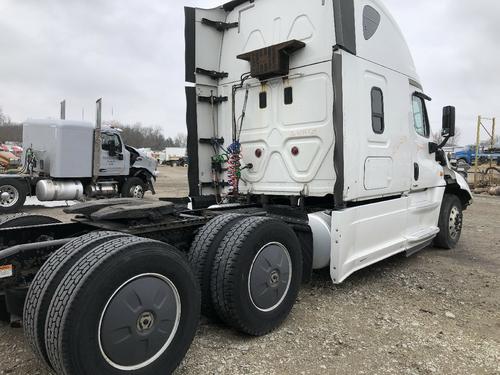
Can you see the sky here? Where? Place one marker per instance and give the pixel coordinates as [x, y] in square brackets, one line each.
[131, 53]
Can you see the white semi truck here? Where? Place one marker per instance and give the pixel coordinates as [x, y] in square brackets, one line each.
[64, 160]
[309, 147]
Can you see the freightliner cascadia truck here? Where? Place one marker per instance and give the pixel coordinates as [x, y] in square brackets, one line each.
[309, 148]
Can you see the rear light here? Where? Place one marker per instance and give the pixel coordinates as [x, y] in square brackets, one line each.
[258, 153]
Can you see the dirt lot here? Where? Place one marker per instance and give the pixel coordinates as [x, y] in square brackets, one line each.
[437, 312]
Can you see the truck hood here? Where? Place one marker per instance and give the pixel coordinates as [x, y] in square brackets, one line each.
[144, 161]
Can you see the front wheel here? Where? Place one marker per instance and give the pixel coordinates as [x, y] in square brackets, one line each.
[450, 222]
[12, 196]
[134, 187]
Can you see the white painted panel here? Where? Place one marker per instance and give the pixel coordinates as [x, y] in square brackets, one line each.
[362, 143]
[388, 46]
[305, 124]
[309, 104]
[266, 23]
[367, 234]
[423, 213]
[378, 173]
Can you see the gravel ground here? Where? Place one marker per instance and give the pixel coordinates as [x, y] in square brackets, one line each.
[436, 312]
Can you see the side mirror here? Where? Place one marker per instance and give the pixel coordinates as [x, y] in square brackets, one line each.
[448, 122]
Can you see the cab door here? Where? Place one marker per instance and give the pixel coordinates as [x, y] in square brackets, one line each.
[428, 184]
[113, 161]
[427, 173]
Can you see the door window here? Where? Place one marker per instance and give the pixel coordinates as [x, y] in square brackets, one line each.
[107, 138]
[420, 118]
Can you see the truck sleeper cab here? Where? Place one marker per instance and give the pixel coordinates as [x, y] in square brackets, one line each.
[342, 120]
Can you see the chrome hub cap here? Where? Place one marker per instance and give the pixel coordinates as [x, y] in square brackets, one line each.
[270, 277]
[137, 192]
[455, 224]
[139, 322]
[9, 196]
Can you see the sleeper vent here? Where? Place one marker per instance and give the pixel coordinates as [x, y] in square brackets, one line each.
[371, 21]
[273, 61]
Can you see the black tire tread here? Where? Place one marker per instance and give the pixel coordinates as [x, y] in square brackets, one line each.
[224, 270]
[71, 283]
[198, 257]
[442, 240]
[42, 288]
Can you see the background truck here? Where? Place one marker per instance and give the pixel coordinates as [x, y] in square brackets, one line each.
[64, 160]
[174, 157]
[309, 148]
[468, 155]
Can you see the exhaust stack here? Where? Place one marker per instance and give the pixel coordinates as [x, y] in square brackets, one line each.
[97, 141]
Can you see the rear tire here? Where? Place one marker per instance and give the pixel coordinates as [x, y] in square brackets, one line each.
[134, 187]
[12, 195]
[256, 275]
[132, 283]
[202, 253]
[46, 282]
[450, 222]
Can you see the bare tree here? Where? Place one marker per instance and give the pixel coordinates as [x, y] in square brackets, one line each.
[3, 118]
[140, 136]
[181, 140]
[453, 142]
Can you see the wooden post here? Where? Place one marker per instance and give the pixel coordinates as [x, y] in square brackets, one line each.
[478, 141]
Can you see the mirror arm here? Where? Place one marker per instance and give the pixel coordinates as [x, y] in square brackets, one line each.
[445, 141]
[434, 147]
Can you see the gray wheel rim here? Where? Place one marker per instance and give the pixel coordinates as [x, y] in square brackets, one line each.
[137, 191]
[270, 277]
[9, 195]
[455, 223]
[139, 322]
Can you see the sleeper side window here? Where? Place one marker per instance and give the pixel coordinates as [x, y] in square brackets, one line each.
[378, 121]
[420, 119]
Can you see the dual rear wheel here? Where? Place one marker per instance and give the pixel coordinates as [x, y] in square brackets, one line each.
[250, 271]
[108, 303]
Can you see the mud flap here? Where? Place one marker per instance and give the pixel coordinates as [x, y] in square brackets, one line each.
[14, 299]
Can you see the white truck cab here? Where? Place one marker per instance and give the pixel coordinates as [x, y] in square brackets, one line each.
[319, 104]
